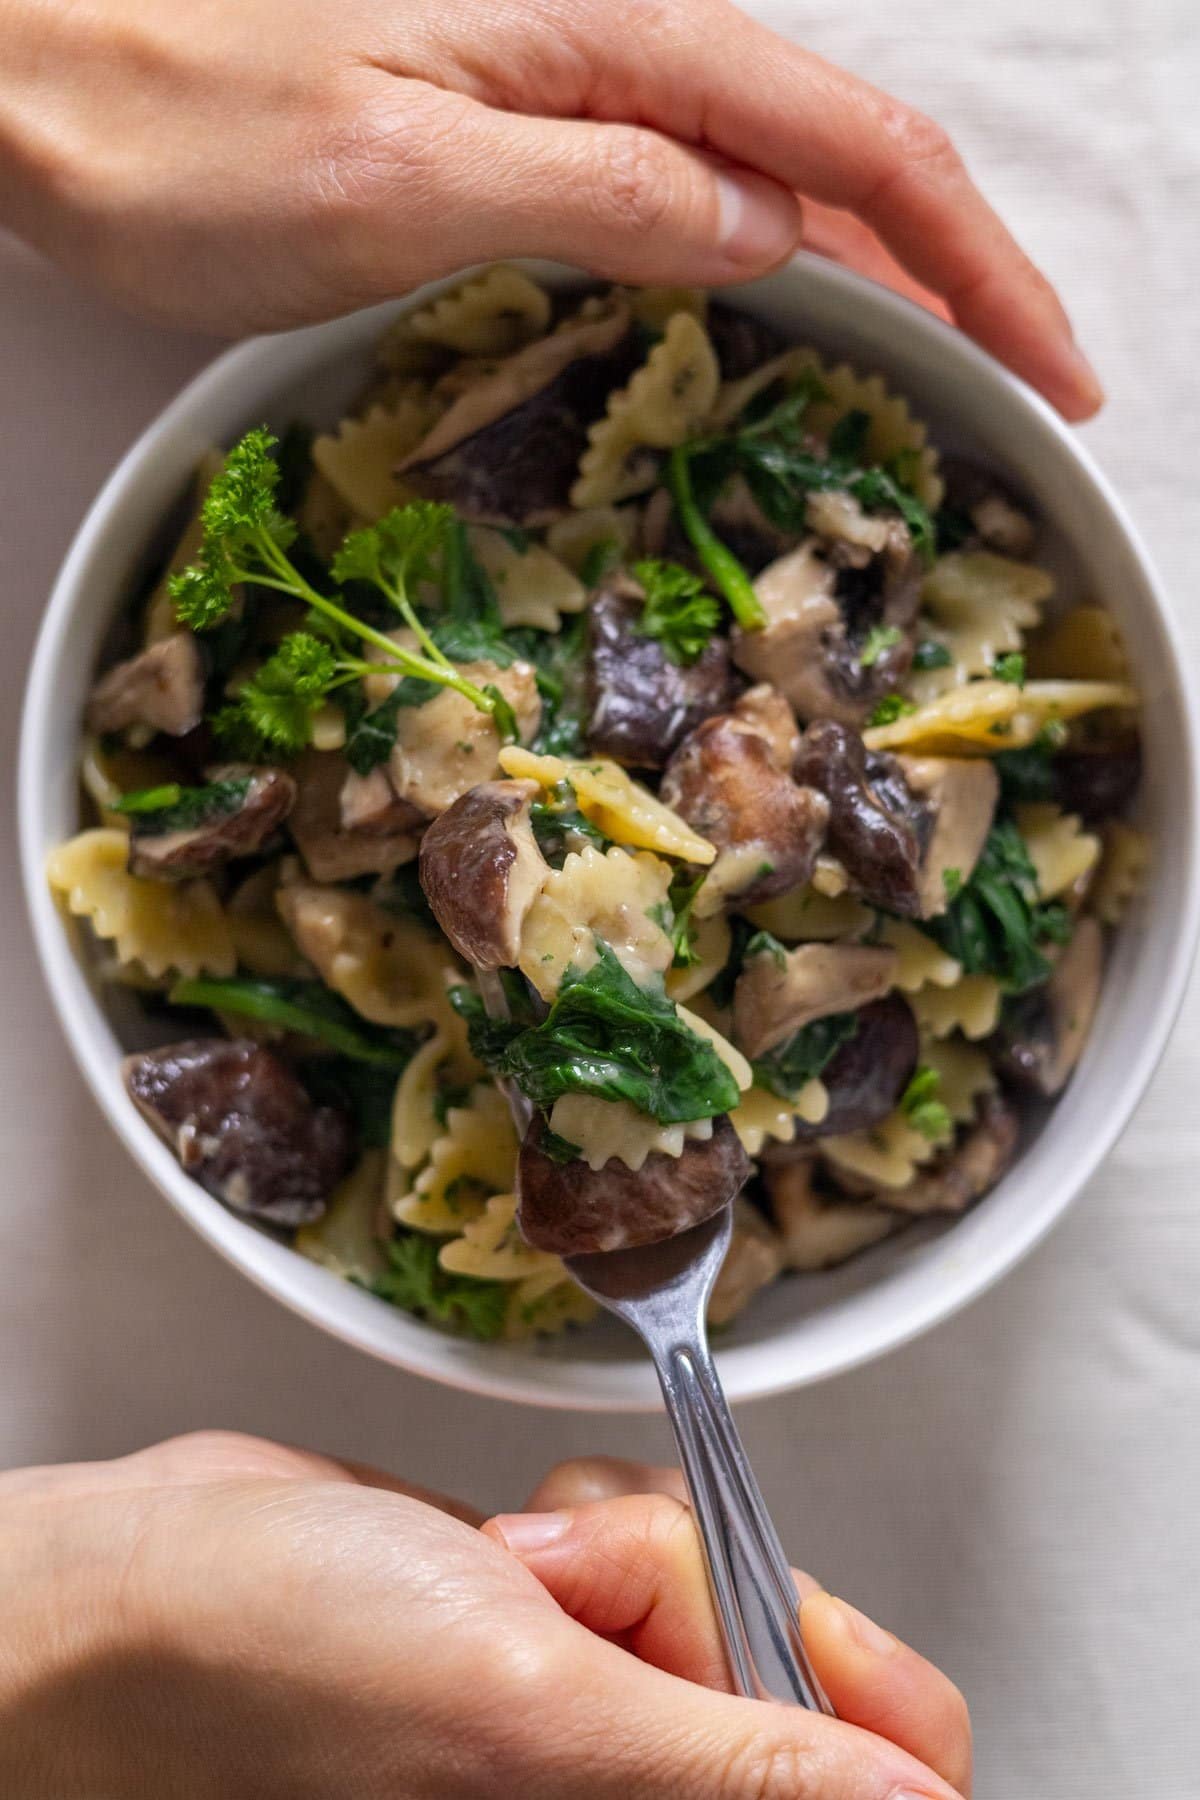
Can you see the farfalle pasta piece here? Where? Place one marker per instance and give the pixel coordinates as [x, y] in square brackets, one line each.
[1061, 851]
[985, 717]
[970, 1005]
[623, 809]
[1124, 863]
[612, 895]
[537, 1308]
[346, 1239]
[162, 926]
[601, 1129]
[359, 459]
[920, 961]
[532, 586]
[473, 1158]
[491, 314]
[733, 1059]
[387, 967]
[1086, 644]
[663, 404]
[890, 1153]
[263, 943]
[982, 606]
[964, 1075]
[491, 1248]
[761, 1116]
[805, 915]
[892, 433]
[573, 537]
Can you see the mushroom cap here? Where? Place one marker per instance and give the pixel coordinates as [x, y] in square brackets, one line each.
[569, 1209]
[640, 703]
[725, 781]
[240, 830]
[243, 1126]
[866, 1076]
[481, 870]
[508, 448]
[777, 994]
[879, 847]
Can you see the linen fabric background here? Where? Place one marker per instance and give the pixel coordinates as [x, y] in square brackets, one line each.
[1016, 1493]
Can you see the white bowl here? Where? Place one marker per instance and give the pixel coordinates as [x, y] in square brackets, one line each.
[801, 1329]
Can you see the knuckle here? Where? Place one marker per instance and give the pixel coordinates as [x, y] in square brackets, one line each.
[633, 191]
[920, 143]
[785, 1770]
[374, 150]
[208, 1454]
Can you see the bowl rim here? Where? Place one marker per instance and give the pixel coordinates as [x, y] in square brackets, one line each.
[505, 1372]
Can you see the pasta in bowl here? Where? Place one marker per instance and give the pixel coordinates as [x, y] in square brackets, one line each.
[619, 648]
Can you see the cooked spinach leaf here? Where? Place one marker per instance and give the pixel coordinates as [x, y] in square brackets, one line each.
[415, 1281]
[996, 922]
[173, 808]
[308, 1008]
[802, 1057]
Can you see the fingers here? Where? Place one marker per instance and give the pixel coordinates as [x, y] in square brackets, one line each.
[587, 1478]
[751, 96]
[420, 172]
[632, 1570]
[875, 1681]
[844, 239]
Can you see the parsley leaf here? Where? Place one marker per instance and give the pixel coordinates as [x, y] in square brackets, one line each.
[677, 610]
[891, 708]
[922, 1108]
[1010, 668]
[415, 1281]
[275, 707]
[605, 1035]
[802, 1057]
[995, 923]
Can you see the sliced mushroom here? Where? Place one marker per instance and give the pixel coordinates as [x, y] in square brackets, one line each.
[1097, 782]
[568, 1209]
[242, 1125]
[330, 851]
[967, 1170]
[822, 600]
[724, 779]
[448, 745]
[1045, 1031]
[959, 795]
[779, 992]
[753, 1260]
[240, 828]
[640, 703]
[507, 449]
[763, 709]
[481, 870]
[819, 1231]
[865, 1078]
[161, 688]
[370, 804]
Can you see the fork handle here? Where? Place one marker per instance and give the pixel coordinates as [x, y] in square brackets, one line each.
[752, 1586]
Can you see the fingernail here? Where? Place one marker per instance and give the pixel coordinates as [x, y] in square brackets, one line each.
[866, 1633]
[759, 221]
[527, 1533]
[1091, 390]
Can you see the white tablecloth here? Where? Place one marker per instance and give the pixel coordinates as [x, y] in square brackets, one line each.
[1017, 1493]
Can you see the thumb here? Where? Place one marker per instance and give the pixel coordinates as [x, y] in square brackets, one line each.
[632, 1570]
[623, 201]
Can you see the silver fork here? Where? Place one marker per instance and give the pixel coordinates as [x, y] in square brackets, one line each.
[662, 1291]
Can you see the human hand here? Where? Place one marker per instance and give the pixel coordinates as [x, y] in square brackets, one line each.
[240, 166]
[219, 1615]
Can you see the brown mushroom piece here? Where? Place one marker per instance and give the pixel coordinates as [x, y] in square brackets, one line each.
[820, 1230]
[1044, 1032]
[753, 1260]
[866, 1076]
[254, 803]
[780, 991]
[481, 870]
[987, 512]
[1097, 781]
[967, 1170]
[161, 688]
[899, 824]
[370, 804]
[332, 851]
[726, 780]
[243, 1126]
[641, 704]
[822, 600]
[448, 745]
[508, 448]
[569, 1209]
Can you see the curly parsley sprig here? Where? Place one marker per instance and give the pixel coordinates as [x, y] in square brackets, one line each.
[246, 540]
